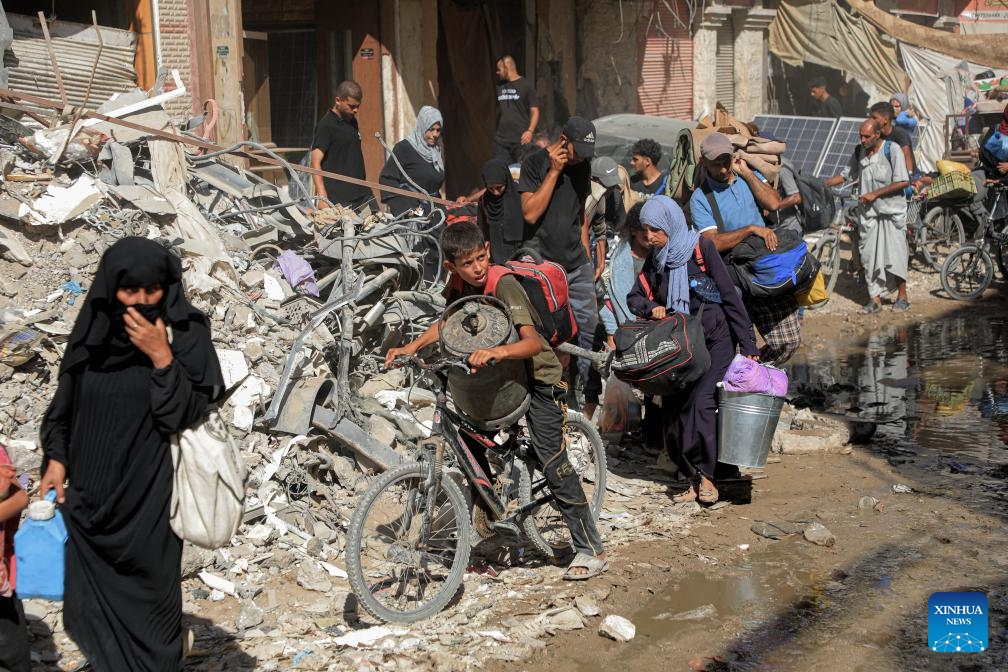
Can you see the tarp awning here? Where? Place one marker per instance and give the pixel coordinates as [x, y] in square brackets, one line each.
[982, 48]
[821, 32]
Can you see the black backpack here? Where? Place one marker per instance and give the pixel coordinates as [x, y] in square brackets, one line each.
[817, 206]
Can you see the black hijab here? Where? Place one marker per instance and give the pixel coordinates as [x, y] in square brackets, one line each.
[501, 216]
[99, 335]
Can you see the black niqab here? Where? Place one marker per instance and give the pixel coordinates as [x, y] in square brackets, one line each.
[99, 335]
[501, 217]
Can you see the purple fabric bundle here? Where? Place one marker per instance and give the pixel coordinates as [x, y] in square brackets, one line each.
[745, 375]
[297, 272]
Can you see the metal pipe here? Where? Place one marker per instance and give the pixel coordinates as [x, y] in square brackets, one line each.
[156, 28]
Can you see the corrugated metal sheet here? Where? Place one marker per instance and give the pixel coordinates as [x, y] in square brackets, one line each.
[724, 85]
[666, 81]
[76, 46]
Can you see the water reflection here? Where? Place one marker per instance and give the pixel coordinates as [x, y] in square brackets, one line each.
[940, 385]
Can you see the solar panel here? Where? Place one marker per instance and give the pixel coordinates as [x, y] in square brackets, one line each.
[845, 138]
[841, 145]
[805, 137]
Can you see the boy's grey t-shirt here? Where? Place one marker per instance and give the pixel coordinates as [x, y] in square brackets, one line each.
[788, 218]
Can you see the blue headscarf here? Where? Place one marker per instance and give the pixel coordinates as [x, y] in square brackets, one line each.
[661, 212]
[427, 117]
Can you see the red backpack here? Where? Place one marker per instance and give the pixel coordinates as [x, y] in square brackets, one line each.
[545, 284]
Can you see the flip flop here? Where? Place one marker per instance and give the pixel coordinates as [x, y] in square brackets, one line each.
[593, 565]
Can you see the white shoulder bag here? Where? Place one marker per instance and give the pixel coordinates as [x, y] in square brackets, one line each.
[208, 497]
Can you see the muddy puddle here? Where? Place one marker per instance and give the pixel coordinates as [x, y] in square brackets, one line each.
[939, 393]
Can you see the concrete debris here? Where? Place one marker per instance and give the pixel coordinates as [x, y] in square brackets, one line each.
[618, 628]
[819, 535]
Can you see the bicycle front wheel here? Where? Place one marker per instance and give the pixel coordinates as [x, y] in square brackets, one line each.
[967, 272]
[544, 526]
[398, 573]
[940, 234]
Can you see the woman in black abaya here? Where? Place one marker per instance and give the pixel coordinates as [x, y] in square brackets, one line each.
[125, 387]
[499, 214]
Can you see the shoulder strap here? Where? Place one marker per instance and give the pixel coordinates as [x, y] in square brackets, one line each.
[494, 274]
[699, 258]
[715, 210]
[646, 285]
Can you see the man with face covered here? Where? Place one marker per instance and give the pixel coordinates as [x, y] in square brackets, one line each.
[726, 209]
[555, 181]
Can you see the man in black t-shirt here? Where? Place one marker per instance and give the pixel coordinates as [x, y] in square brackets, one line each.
[336, 148]
[883, 115]
[517, 112]
[554, 184]
[828, 105]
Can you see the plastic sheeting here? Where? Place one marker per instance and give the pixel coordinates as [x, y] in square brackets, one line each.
[938, 82]
[821, 32]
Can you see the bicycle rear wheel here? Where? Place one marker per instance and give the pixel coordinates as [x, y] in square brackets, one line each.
[826, 249]
[941, 233]
[967, 272]
[544, 526]
[396, 573]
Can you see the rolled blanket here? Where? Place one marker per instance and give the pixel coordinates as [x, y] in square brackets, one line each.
[746, 375]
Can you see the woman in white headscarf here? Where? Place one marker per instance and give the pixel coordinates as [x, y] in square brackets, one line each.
[416, 164]
[685, 273]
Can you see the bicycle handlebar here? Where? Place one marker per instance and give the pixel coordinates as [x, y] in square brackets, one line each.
[437, 366]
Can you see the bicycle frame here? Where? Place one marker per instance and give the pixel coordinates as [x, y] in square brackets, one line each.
[448, 429]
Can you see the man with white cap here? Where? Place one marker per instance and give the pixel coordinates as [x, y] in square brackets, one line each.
[726, 209]
[554, 184]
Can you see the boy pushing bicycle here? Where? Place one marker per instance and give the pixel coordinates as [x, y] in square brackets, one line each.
[467, 257]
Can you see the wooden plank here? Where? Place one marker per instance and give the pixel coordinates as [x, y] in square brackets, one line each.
[225, 34]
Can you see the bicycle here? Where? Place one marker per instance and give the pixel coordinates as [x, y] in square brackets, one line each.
[825, 244]
[409, 539]
[935, 235]
[969, 271]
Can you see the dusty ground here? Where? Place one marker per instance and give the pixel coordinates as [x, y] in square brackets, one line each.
[790, 605]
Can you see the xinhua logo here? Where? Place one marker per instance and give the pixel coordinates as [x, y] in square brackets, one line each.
[957, 622]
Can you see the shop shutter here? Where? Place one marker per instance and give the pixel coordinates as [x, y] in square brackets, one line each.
[666, 81]
[725, 83]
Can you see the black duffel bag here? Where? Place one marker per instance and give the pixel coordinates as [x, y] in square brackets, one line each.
[661, 356]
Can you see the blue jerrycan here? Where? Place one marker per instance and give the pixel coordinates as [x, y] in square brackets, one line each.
[39, 551]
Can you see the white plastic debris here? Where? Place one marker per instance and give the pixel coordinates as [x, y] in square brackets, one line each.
[61, 204]
[368, 636]
[334, 570]
[217, 583]
[901, 489]
[618, 628]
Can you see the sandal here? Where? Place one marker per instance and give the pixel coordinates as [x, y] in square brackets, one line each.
[593, 566]
[708, 495]
[871, 307]
[688, 495]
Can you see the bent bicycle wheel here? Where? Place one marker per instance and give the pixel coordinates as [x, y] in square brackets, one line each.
[967, 272]
[398, 573]
[940, 234]
[545, 527]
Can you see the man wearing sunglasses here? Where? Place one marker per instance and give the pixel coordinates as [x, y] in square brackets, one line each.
[337, 148]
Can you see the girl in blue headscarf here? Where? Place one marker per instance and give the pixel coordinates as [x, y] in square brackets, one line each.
[683, 274]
